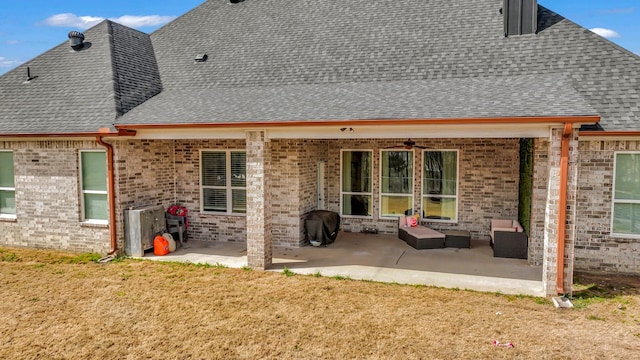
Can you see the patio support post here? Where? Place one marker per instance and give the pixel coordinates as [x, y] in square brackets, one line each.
[259, 250]
[559, 226]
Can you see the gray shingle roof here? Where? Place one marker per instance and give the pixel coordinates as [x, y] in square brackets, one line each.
[277, 44]
[80, 91]
[327, 59]
[504, 96]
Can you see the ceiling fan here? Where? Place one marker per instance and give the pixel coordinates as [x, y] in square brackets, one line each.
[409, 144]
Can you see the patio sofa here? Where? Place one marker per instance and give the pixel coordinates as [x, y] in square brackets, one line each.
[508, 239]
[420, 237]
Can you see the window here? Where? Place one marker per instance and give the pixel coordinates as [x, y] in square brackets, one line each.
[440, 186]
[7, 185]
[356, 190]
[93, 168]
[224, 183]
[396, 183]
[626, 194]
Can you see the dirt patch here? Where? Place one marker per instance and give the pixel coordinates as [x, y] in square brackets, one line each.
[63, 306]
[590, 284]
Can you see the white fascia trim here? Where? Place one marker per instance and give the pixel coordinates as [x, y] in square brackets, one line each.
[359, 132]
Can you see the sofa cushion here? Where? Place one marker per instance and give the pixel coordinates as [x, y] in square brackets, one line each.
[422, 232]
[505, 225]
[501, 223]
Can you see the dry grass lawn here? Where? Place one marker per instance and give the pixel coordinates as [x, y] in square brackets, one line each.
[64, 306]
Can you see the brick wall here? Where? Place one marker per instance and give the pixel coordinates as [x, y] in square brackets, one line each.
[202, 226]
[177, 180]
[488, 182]
[294, 187]
[48, 207]
[145, 176]
[595, 248]
[539, 200]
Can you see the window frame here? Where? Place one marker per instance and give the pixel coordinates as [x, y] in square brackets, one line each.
[342, 192]
[412, 195]
[10, 189]
[97, 192]
[422, 188]
[228, 187]
[613, 194]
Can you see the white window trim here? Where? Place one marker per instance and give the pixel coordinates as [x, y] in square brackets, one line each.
[10, 216]
[412, 195]
[422, 189]
[229, 189]
[342, 193]
[613, 199]
[82, 191]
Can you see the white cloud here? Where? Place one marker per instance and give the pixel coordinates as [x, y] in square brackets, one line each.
[6, 63]
[72, 20]
[85, 22]
[13, 42]
[142, 21]
[606, 33]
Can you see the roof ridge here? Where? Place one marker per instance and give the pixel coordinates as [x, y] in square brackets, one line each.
[135, 70]
[114, 71]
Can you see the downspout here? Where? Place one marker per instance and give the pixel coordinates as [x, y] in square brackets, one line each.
[562, 210]
[110, 195]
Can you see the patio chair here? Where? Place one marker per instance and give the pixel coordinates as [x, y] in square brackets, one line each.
[508, 239]
[420, 237]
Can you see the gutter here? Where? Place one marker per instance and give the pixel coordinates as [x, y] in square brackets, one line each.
[110, 195]
[372, 122]
[562, 211]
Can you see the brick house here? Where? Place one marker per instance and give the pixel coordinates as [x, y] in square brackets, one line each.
[253, 113]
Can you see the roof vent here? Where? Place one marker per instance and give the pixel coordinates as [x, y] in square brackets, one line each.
[235, 1]
[76, 40]
[201, 57]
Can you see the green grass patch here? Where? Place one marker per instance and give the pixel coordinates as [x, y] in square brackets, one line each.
[288, 272]
[340, 277]
[79, 259]
[6, 256]
[541, 301]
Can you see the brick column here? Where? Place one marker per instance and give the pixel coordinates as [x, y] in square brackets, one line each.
[259, 252]
[549, 261]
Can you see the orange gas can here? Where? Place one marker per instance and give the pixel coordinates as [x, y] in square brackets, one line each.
[160, 246]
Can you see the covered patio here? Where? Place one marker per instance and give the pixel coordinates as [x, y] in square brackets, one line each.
[383, 258]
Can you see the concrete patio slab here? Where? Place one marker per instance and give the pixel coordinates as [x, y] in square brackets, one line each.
[383, 258]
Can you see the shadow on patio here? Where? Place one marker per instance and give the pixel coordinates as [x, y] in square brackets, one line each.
[384, 258]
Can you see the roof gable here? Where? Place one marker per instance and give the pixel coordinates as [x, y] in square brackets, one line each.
[80, 91]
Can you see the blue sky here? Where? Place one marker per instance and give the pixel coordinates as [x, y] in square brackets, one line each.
[31, 27]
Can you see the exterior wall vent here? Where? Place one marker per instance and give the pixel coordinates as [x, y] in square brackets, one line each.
[520, 17]
[76, 40]
[201, 57]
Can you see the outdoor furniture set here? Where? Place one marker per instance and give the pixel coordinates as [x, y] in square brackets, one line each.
[508, 238]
